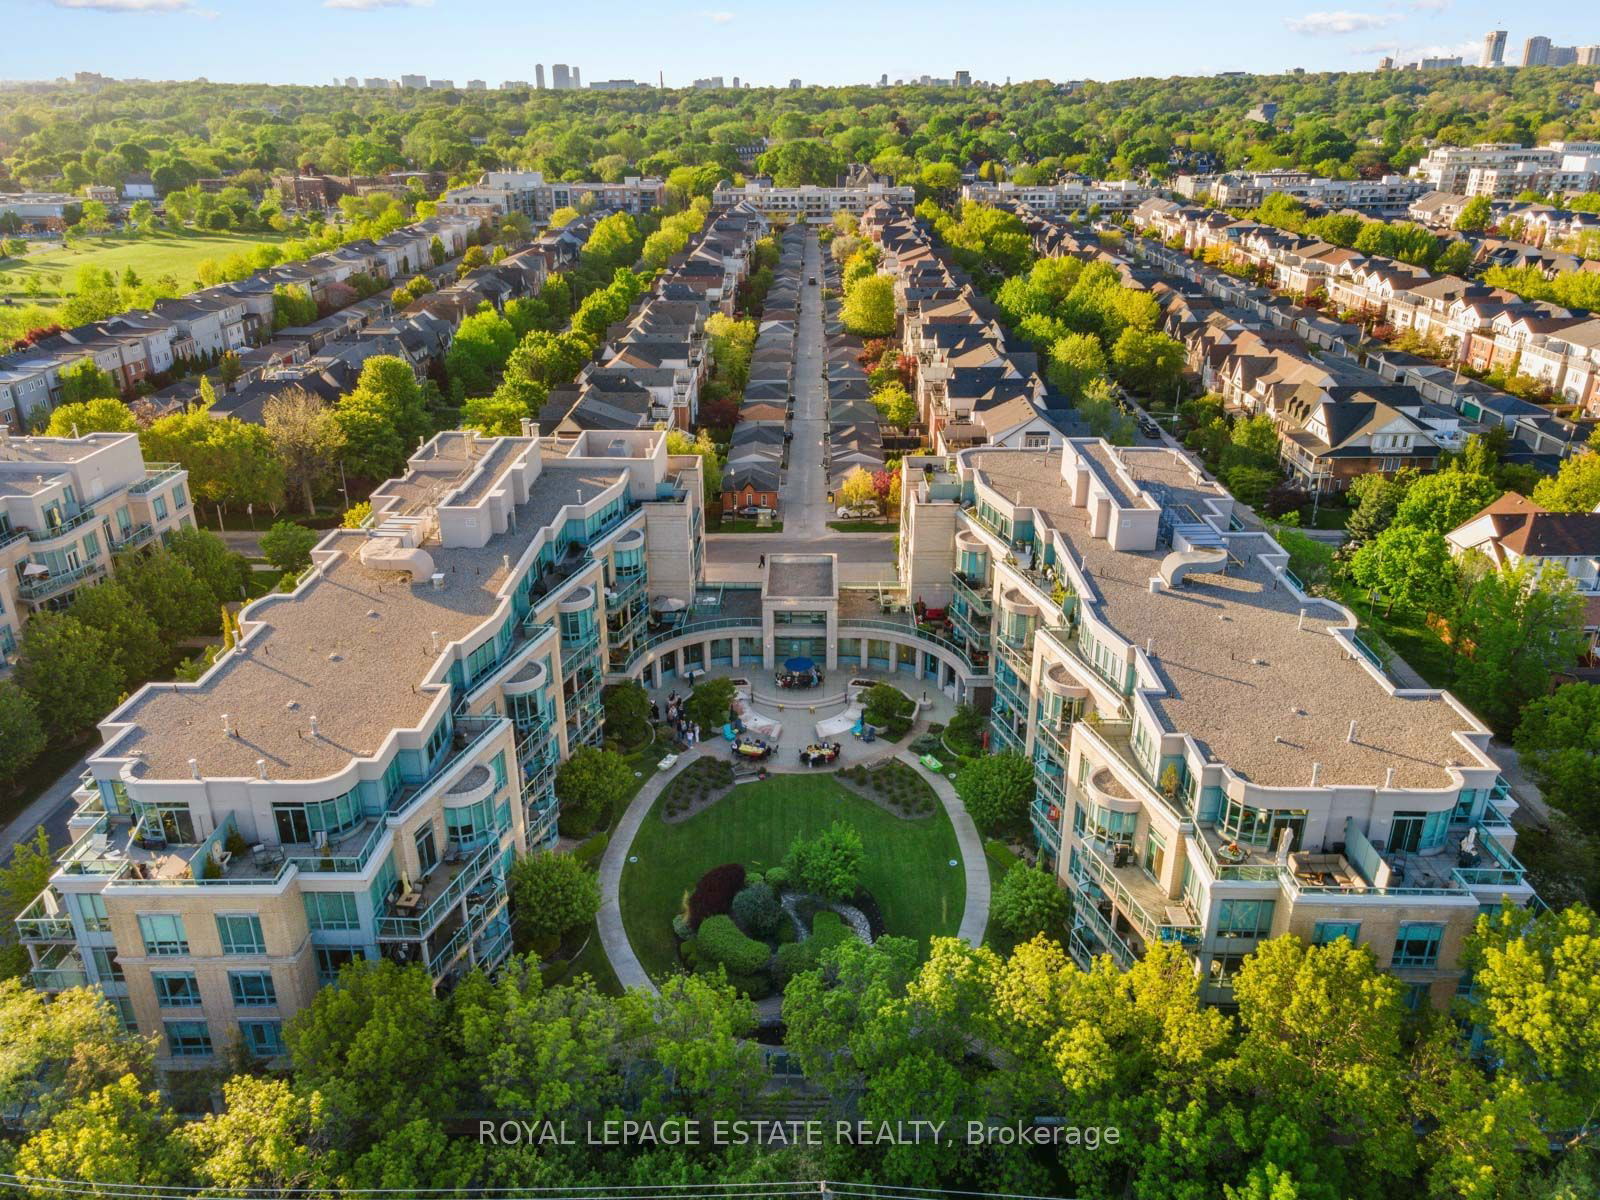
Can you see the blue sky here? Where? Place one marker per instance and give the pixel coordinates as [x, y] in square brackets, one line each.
[311, 41]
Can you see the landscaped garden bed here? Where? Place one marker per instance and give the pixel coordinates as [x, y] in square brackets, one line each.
[695, 788]
[905, 885]
[893, 786]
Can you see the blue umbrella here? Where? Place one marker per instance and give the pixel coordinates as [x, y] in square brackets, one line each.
[798, 664]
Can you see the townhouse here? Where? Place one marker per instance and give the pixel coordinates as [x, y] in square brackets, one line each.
[1389, 196]
[809, 202]
[1065, 196]
[67, 505]
[499, 193]
[318, 796]
[1217, 757]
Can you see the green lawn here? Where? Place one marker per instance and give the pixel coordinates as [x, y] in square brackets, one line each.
[864, 526]
[751, 526]
[1406, 632]
[158, 254]
[907, 865]
[592, 961]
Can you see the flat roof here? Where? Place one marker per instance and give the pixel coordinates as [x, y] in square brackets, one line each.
[800, 576]
[352, 647]
[1260, 691]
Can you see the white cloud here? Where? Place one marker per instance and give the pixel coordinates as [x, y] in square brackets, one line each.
[374, 5]
[1434, 6]
[1322, 24]
[128, 6]
[718, 17]
[1467, 51]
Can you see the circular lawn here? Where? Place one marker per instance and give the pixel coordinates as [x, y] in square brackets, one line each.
[907, 868]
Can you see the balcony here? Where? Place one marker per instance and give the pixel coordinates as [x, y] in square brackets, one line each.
[74, 520]
[1017, 656]
[1086, 914]
[970, 626]
[1142, 901]
[134, 538]
[441, 892]
[155, 474]
[623, 592]
[42, 588]
[45, 920]
[60, 968]
[471, 735]
[1047, 827]
[974, 591]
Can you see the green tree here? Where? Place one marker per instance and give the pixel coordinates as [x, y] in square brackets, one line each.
[1442, 501]
[702, 446]
[437, 252]
[479, 350]
[306, 435]
[120, 1134]
[383, 418]
[224, 572]
[895, 405]
[261, 1142]
[229, 461]
[60, 1050]
[591, 786]
[1476, 215]
[22, 736]
[84, 382]
[498, 415]
[828, 863]
[1574, 488]
[166, 587]
[708, 705]
[1409, 566]
[1522, 625]
[61, 665]
[133, 646]
[1148, 362]
[1376, 501]
[292, 306]
[287, 545]
[868, 309]
[627, 712]
[1075, 361]
[1557, 737]
[24, 877]
[1029, 901]
[103, 414]
[997, 790]
[551, 896]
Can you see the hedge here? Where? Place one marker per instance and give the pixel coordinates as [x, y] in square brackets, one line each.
[720, 941]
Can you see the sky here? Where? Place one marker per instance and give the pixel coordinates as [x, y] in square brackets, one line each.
[830, 42]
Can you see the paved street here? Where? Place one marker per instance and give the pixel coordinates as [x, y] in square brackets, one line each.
[803, 494]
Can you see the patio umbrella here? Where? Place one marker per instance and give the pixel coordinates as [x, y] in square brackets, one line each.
[798, 664]
[669, 604]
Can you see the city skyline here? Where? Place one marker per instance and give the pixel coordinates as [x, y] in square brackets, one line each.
[167, 39]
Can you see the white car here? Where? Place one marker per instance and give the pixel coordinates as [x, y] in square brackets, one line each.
[858, 512]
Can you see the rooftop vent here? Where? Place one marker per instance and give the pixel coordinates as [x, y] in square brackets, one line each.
[227, 726]
[194, 768]
[261, 768]
[316, 731]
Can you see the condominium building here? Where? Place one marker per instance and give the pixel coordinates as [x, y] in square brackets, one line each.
[1449, 168]
[500, 192]
[1494, 49]
[66, 506]
[1115, 195]
[1385, 197]
[1218, 758]
[354, 778]
[809, 200]
[560, 76]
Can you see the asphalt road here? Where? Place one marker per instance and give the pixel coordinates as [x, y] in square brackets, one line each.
[803, 492]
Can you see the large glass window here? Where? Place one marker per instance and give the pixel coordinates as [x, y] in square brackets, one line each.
[106, 967]
[176, 989]
[297, 823]
[330, 959]
[163, 934]
[240, 933]
[471, 824]
[252, 989]
[1263, 826]
[332, 910]
[427, 853]
[188, 1039]
[1244, 918]
[264, 1039]
[1417, 945]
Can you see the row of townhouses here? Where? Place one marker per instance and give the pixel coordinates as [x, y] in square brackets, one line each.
[652, 365]
[238, 316]
[1485, 328]
[971, 387]
[1072, 194]
[1389, 196]
[1539, 225]
[499, 193]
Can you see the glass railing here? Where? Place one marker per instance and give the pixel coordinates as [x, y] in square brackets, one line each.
[974, 629]
[479, 866]
[60, 969]
[1234, 873]
[633, 627]
[45, 920]
[1121, 953]
[974, 591]
[1005, 737]
[82, 517]
[481, 728]
[1048, 829]
[934, 639]
[493, 944]
[155, 474]
[334, 864]
[134, 538]
[42, 589]
[1146, 922]
[624, 590]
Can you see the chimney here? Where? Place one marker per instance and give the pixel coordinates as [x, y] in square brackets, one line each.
[194, 768]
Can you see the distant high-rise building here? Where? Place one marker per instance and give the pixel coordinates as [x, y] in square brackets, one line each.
[560, 77]
[794, 84]
[351, 81]
[1438, 64]
[1536, 52]
[476, 85]
[883, 80]
[963, 78]
[441, 85]
[1563, 56]
[1494, 48]
[577, 78]
[538, 76]
[735, 81]
[377, 85]
[1386, 63]
[1589, 56]
[514, 85]
[413, 81]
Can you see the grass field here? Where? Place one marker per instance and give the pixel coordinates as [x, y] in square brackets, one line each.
[158, 254]
[907, 862]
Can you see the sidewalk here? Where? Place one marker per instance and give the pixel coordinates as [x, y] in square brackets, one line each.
[49, 804]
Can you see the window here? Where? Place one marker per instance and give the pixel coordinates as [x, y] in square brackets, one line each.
[163, 934]
[1417, 945]
[92, 908]
[188, 1039]
[159, 504]
[427, 853]
[469, 825]
[179, 499]
[1244, 918]
[106, 967]
[1263, 827]
[176, 990]
[332, 910]
[1416, 996]
[241, 934]
[1035, 441]
[252, 989]
[1331, 931]
[264, 1039]
[330, 959]
[124, 1008]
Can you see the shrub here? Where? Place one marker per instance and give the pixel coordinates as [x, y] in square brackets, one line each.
[777, 878]
[828, 864]
[887, 707]
[997, 790]
[719, 940]
[757, 986]
[551, 895]
[793, 958]
[1029, 901]
[756, 911]
[828, 930]
[681, 928]
[713, 894]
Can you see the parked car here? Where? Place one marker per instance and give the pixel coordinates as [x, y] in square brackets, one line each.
[757, 510]
[858, 512]
[812, 281]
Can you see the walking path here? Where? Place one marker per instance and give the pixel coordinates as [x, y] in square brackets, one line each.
[614, 938]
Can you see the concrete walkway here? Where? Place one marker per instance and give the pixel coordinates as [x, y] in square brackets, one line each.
[51, 809]
[614, 938]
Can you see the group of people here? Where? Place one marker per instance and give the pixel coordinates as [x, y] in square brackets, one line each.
[688, 732]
